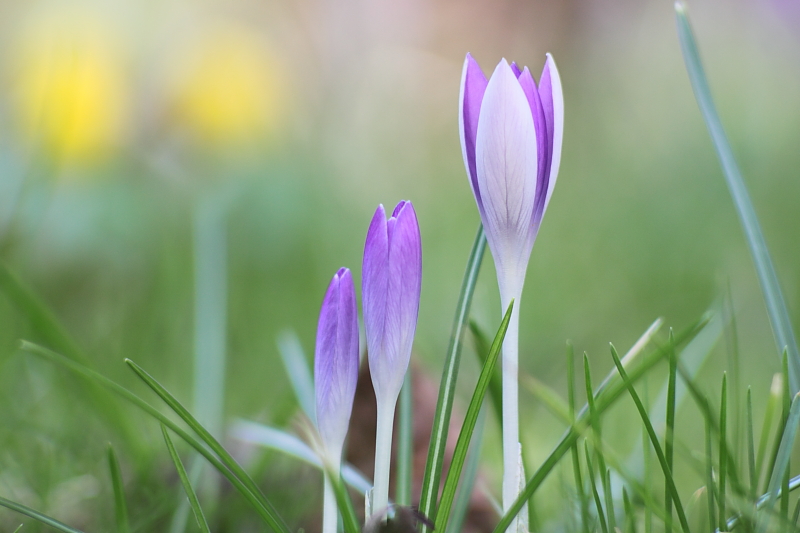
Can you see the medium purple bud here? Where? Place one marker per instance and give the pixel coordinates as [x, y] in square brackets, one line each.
[336, 361]
[511, 133]
[392, 279]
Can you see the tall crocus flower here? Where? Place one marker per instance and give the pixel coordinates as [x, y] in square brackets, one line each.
[335, 376]
[511, 132]
[392, 277]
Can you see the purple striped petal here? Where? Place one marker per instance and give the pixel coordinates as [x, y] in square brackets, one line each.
[507, 167]
[473, 85]
[390, 319]
[542, 143]
[552, 98]
[336, 360]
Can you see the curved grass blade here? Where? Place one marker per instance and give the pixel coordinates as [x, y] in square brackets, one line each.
[723, 451]
[255, 499]
[462, 444]
[405, 443]
[36, 515]
[670, 433]
[776, 307]
[609, 392]
[120, 507]
[784, 452]
[654, 440]
[496, 383]
[187, 485]
[464, 495]
[601, 516]
[444, 405]
[274, 519]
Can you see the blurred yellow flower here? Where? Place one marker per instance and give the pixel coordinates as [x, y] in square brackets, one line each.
[231, 89]
[70, 86]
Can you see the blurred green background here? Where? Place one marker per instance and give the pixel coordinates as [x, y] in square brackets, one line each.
[298, 117]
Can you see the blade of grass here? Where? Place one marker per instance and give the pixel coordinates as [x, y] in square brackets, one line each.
[496, 383]
[275, 522]
[18, 528]
[794, 484]
[630, 516]
[297, 368]
[464, 436]
[601, 517]
[444, 404]
[256, 499]
[609, 391]
[670, 420]
[120, 508]
[349, 520]
[405, 443]
[291, 445]
[751, 453]
[609, 497]
[775, 397]
[654, 440]
[36, 515]
[464, 494]
[784, 452]
[710, 485]
[723, 452]
[187, 486]
[776, 307]
[576, 462]
[785, 401]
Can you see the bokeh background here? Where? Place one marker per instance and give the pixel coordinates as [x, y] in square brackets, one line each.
[295, 118]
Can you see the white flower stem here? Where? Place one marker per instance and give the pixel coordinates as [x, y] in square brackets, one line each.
[383, 454]
[330, 511]
[510, 405]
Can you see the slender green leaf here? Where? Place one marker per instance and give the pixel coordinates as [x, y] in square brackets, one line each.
[345, 504]
[444, 405]
[710, 484]
[609, 392]
[670, 420]
[751, 453]
[405, 443]
[36, 515]
[601, 516]
[120, 507]
[723, 452]
[274, 520]
[776, 307]
[609, 497]
[630, 515]
[784, 452]
[464, 436]
[576, 462]
[187, 485]
[775, 395]
[496, 383]
[654, 441]
[255, 499]
[18, 528]
[297, 368]
[464, 494]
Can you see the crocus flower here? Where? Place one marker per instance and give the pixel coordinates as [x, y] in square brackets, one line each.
[335, 376]
[511, 132]
[392, 277]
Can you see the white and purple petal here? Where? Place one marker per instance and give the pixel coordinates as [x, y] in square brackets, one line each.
[552, 98]
[473, 87]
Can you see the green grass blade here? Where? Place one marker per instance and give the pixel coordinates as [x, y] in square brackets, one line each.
[274, 520]
[447, 388]
[601, 516]
[609, 496]
[345, 504]
[279, 440]
[609, 392]
[299, 372]
[496, 383]
[18, 528]
[36, 515]
[630, 515]
[576, 462]
[255, 499]
[120, 507]
[464, 436]
[776, 307]
[710, 484]
[784, 452]
[775, 397]
[669, 436]
[405, 443]
[723, 452]
[654, 441]
[464, 495]
[751, 452]
[187, 485]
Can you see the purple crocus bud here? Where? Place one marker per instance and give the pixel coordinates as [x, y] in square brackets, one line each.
[511, 133]
[336, 362]
[392, 278]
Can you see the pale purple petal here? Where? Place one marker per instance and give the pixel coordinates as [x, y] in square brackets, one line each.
[542, 138]
[507, 166]
[374, 281]
[516, 69]
[553, 105]
[473, 85]
[388, 366]
[336, 360]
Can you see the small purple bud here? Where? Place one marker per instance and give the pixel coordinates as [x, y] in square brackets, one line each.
[392, 279]
[336, 361]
